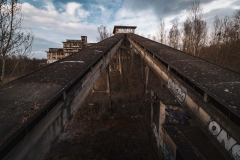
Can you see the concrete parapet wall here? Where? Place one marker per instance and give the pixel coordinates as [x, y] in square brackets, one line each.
[202, 112]
[38, 142]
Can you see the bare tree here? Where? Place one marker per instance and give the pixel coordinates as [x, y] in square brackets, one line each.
[12, 39]
[187, 36]
[154, 38]
[236, 18]
[174, 36]
[216, 38]
[110, 33]
[161, 33]
[195, 30]
[103, 33]
[225, 42]
[149, 36]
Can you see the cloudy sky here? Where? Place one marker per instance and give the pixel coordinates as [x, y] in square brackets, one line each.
[54, 21]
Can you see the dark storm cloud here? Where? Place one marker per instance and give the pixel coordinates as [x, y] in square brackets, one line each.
[162, 8]
[221, 13]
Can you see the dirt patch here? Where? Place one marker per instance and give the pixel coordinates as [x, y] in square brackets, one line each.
[117, 138]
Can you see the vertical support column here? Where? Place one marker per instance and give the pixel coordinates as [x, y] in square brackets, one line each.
[162, 118]
[132, 58]
[151, 114]
[169, 68]
[161, 84]
[109, 87]
[142, 67]
[146, 74]
[152, 101]
[206, 97]
[91, 103]
[120, 64]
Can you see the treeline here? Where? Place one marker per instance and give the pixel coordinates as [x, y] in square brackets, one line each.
[17, 66]
[224, 45]
[221, 46]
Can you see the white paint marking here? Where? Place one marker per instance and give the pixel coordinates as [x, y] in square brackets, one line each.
[72, 62]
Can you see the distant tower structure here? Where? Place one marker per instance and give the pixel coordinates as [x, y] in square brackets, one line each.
[84, 41]
[124, 29]
[71, 46]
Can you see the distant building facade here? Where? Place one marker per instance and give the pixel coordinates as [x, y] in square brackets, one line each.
[54, 54]
[124, 29]
[69, 47]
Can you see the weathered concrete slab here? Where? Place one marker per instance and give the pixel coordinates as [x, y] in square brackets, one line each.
[164, 95]
[25, 100]
[192, 143]
[219, 82]
[18, 101]
[208, 92]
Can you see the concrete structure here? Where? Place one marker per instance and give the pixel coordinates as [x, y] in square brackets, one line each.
[69, 47]
[44, 101]
[176, 132]
[209, 93]
[51, 98]
[54, 54]
[124, 29]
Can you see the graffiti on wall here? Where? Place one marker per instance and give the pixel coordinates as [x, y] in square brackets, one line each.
[225, 139]
[178, 90]
[156, 134]
[176, 116]
[167, 152]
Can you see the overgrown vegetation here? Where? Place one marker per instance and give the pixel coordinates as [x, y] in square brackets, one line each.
[18, 66]
[13, 41]
[221, 46]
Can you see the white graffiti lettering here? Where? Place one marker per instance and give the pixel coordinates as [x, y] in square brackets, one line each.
[214, 128]
[236, 151]
[177, 90]
[228, 141]
[224, 139]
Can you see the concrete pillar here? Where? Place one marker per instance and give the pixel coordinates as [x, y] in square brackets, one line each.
[162, 118]
[147, 75]
[142, 67]
[120, 64]
[91, 103]
[108, 91]
[206, 97]
[151, 113]
[132, 58]
[161, 84]
[169, 68]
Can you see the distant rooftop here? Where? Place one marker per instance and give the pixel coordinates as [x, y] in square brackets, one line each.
[55, 50]
[71, 40]
[124, 29]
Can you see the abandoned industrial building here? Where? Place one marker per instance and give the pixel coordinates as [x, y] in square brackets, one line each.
[192, 105]
[69, 47]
